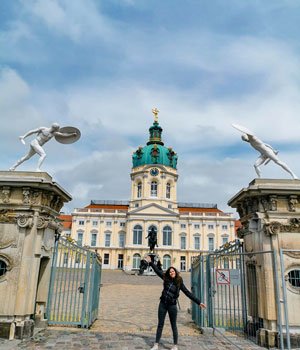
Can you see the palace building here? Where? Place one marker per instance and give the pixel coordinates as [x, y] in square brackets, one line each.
[117, 230]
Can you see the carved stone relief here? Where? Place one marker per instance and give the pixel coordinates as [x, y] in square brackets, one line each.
[26, 195]
[8, 236]
[265, 203]
[48, 240]
[276, 227]
[273, 203]
[292, 203]
[25, 220]
[6, 194]
[7, 216]
[35, 199]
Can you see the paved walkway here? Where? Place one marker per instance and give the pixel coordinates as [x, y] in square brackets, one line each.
[127, 321]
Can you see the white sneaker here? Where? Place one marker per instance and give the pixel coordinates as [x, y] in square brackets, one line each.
[174, 347]
[155, 347]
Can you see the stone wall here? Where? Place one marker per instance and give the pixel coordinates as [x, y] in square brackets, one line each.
[29, 209]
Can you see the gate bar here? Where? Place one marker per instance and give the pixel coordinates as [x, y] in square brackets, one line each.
[278, 299]
[286, 316]
[52, 275]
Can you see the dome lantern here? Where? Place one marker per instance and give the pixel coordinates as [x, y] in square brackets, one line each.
[155, 152]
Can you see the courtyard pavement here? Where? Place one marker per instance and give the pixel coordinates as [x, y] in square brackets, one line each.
[127, 321]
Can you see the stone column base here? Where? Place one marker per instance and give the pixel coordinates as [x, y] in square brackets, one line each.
[16, 330]
[267, 338]
[24, 329]
[7, 330]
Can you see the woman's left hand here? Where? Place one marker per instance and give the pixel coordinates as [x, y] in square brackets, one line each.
[202, 306]
[148, 259]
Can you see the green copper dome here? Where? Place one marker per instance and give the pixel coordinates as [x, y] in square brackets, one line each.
[155, 152]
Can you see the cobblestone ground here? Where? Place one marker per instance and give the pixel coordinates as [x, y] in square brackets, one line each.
[127, 321]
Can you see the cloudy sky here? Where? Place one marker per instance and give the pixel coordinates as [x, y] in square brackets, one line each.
[103, 65]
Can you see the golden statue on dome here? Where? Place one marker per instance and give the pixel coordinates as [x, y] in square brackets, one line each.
[155, 111]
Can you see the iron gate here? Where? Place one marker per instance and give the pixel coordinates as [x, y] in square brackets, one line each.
[226, 280]
[218, 278]
[74, 285]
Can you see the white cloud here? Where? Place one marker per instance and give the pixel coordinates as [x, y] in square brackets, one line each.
[201, 80]
[78, 20]
[17, 111]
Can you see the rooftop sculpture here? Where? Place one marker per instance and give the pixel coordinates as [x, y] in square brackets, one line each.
[267, 152]
[63, 135]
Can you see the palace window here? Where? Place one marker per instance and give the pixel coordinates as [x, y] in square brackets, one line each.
[106, 259]
[95, 223]
[81, 222]
[166, 261]
[137, 234]
[93, 239]
[182, 225]
[77, 258]
[136, 261]
[120, 261]
[197, 242]
[226, 263]
[153, 189]
[224, 239]
[107, 239]
[139, 190]
[79, 238]
[183, 242]
[224, 227]
[122, 240]
[196, 226]
[167, 235]
[182, 263]
[211, 243]
[168, 190]
[210, 226]
[66, 258]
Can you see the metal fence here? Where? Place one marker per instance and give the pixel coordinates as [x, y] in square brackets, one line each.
[227, 280]
[74, 285]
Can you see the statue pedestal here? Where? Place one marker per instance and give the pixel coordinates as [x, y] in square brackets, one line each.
[29, 208]
[269, 211]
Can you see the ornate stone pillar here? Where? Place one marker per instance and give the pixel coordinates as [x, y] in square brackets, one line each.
[30, 203]
[269, 211]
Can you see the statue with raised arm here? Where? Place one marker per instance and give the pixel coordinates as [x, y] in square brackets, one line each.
[267, 152]
[44, 134]
[152, 239]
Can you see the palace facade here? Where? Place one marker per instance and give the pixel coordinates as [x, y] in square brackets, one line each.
[117, 230]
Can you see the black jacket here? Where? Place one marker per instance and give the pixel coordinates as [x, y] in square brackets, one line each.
[171, 291]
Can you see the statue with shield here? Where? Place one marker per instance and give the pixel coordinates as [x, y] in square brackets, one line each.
[63, 135]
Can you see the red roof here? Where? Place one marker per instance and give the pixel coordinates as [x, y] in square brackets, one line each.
[66, 221]
[237, 225]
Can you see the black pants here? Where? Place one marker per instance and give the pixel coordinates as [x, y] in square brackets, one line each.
[162, 311]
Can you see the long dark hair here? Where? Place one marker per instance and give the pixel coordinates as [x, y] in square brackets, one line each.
[177, 279]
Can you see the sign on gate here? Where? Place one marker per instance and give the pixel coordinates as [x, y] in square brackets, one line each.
[223, 276]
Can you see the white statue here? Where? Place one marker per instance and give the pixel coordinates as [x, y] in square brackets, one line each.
[266, 151]
[62, 135]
